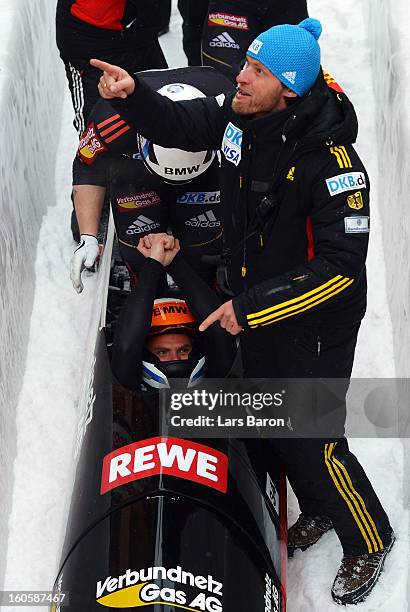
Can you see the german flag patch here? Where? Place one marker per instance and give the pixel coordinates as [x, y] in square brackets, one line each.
[331, 82]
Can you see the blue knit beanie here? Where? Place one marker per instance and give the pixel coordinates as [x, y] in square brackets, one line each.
[291, 53]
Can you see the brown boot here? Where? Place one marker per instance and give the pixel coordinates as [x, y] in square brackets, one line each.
[307, 531]
[358, 574]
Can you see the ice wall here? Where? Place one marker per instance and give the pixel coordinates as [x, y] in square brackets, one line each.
[388, 34]
[31, 91]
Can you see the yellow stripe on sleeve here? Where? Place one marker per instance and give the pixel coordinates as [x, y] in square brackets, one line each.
[300, 298]
[300, 304]
[344, 154]
[338, 157]
[276, 319]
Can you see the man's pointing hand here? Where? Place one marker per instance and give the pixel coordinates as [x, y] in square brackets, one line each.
[115, 81]
[225, 314]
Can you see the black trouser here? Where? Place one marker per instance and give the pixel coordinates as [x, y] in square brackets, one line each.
[233, 24]
[193, 14]
[164, 15]
[325, 476]
[131, 51]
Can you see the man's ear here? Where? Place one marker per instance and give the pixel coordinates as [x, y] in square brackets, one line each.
[289, 93]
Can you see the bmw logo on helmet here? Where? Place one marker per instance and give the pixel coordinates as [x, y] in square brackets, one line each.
[171, 315]
[174, 165]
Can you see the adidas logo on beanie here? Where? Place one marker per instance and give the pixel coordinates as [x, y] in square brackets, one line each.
[291, 53]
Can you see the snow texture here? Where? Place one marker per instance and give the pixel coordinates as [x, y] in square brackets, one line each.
[29, 133]
[388, 24]
[55, 368]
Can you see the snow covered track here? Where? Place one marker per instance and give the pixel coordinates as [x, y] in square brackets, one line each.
[30, 105]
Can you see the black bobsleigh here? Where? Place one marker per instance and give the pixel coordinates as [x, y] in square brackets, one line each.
[159, 522]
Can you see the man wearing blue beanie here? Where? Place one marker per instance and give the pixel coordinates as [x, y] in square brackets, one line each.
[291, 53]
[286, 56]
[295, 199]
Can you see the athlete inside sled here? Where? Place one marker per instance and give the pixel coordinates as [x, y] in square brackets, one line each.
[157, 339]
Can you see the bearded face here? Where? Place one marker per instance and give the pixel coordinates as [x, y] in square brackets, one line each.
[259, 92]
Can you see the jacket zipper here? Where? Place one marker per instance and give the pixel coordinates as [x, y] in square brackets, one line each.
[244, 269]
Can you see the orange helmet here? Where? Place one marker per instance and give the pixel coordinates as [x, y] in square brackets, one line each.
[171, 315]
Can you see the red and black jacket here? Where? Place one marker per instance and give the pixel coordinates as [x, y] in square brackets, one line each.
[306, 256]
[114, 15]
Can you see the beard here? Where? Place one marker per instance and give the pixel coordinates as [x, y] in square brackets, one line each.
[238, 107]
[251, 105]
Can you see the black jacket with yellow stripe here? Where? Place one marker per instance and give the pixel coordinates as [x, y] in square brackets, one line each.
[295, 197]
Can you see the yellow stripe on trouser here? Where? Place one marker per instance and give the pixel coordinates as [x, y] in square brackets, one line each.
[303, 305]
[300, 298]
[361, 501]
[349, 499]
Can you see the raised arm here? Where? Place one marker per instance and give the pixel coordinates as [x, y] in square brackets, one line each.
[134, 321]
[191, 125]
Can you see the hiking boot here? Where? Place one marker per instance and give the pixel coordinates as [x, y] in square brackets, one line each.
[358, 574]
[307, 531]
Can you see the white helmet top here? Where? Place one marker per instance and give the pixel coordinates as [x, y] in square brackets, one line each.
[174, 165]
[180, 91]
